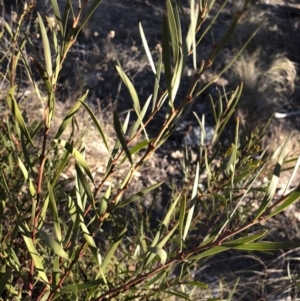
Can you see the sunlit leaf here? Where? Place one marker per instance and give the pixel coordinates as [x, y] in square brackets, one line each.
[120, 135]
[161, 253]
[36, 257]
[81, 177]
[166, 54]
[146, 47]
[55, 216]
[77, 156]
[286, 201]
[274, 181]
[12, 104]
[268, 246]
[54, 245]
[181, 218]
[46, 46]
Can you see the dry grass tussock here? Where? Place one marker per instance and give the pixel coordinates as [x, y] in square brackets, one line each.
[269, 70]
[267, 90]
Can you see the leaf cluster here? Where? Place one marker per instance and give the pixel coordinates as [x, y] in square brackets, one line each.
[78, 244]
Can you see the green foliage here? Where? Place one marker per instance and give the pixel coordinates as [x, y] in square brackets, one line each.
[78, 244]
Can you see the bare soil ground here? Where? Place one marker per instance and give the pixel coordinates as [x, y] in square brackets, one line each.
[269, 69]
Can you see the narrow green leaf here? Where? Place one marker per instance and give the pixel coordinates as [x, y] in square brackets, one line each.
[150, 256]
[72, 228]
[56, 272]
[177, 75]
[45, 78]
[162, 243]
[120, 135]
[81, 198]
[173, 28]
[287, 201]
[126, 123]
[35, 257]
[110, 253]
[202, 128]
[294, 173]
[210, 252]
[11, 290]
[46, 46]
[140, 120]
[213, 109]
[102, 208]
[268, 246]
[188, 220]
[246, 240]
[142, 238]
[160, 252]
[168, 216]
[207, 168]
[181, 295]
[131, 89]
[55, 217]
[44, 211]
[194, 18]
[77, 156]
[196, 182]
[146, 47]
[14, 259]
[70, 115]
[88, 15]
[57, 15]
[2, 208]
[97, 125]
[54, 245]
[230, 168]
[25, 149]
[158, 276]
[83, 181]
[62, 163]
[274, 181]
[198, 284]
[139, 195]
[181, 219]
[249, 186]
[166, 55]
[141, 145]
[13, 106]
[81, 286]
[90, 241]
[191, 210]
[23, 169]
[157, 81]
[28, 180]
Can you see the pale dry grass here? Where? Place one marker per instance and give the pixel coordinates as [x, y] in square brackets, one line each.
[269, 71]
[267, 90]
